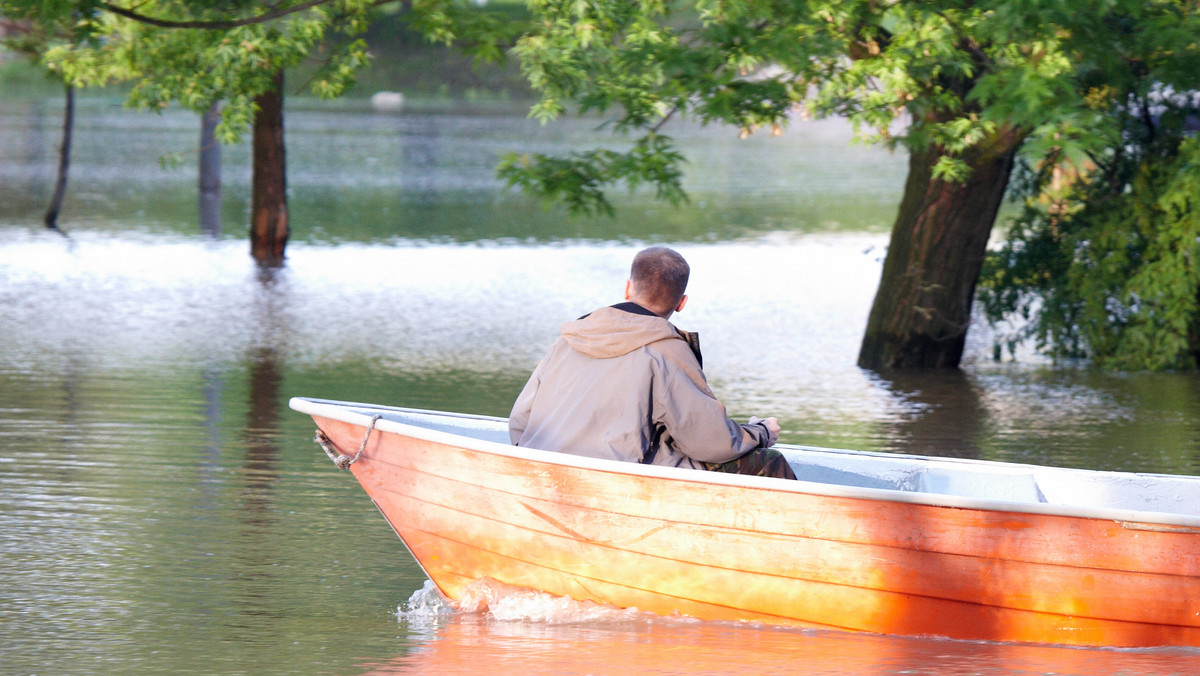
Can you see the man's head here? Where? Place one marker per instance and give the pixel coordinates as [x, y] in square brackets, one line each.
[658, 280]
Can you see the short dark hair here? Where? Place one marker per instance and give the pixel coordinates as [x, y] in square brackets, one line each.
[660, 276]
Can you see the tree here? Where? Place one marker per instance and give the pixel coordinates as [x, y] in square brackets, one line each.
[201, 52]
[209, 183]
[29, 40]
[962, 86]
[64, 160]
[1106, 264]
[1101, 263]
[268, 206]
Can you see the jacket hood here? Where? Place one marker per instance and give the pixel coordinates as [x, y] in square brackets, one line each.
[612, 332]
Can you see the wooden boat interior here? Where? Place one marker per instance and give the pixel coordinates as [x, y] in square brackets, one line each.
[975, 480]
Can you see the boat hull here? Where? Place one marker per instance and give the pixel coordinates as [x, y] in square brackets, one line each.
[679, 543]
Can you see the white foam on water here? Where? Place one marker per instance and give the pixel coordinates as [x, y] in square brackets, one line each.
[500, 602]
[425, 602]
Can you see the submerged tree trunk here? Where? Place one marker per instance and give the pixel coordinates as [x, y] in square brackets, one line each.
[923, 305]
[210, 172]
[64, 160]
[268, 210]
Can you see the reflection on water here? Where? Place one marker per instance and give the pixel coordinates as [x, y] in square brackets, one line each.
[943, 415]
[464, 643]
[666, 647]
[541, 634]
[162, 511]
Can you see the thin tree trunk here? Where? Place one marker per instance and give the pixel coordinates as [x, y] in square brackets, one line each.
[64, 160]
[923, 306]
[210, 172]
[268, 211]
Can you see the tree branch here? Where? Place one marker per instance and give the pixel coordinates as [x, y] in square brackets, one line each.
[211, 25]
[665, 119]
[967, 43]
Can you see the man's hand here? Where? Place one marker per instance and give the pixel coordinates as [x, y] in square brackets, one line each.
[772, 426]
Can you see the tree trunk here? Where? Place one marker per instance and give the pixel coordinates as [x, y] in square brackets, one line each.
[210, 172]
[268, 210]
[64, 160]
[923, 306]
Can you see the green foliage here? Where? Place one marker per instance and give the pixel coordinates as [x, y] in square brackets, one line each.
[579, 179]
[1111, 270]
[945, 74]
[483, 34]
[198, 52]
[1101, 263]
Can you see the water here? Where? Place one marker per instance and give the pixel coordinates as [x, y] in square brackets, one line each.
[162, 511]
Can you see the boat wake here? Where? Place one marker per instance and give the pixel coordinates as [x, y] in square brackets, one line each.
[504, 603]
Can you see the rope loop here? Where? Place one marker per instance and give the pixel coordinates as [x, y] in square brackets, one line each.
[344, 461]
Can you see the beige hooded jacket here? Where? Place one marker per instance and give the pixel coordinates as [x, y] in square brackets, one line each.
[623, 384]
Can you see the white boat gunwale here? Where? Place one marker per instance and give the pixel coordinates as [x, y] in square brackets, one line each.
[355, 413]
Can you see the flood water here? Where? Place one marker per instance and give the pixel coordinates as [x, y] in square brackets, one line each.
[162, 511]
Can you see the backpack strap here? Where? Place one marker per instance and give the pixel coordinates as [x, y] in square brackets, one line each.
[693, 341]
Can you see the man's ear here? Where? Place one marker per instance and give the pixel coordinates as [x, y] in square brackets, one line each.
[682, 302]
[628, 289]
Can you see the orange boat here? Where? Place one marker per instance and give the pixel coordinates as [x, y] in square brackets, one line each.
[891, 544]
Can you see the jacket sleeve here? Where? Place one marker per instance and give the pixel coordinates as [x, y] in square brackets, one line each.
[518, 419]
[696, 421]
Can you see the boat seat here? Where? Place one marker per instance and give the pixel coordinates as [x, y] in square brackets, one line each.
[1011, 486]
[895, 480]
[918, 476]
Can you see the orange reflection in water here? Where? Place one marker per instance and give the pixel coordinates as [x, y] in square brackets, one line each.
[525, 634]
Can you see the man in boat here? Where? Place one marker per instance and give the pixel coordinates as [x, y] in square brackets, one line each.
[623, 383]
